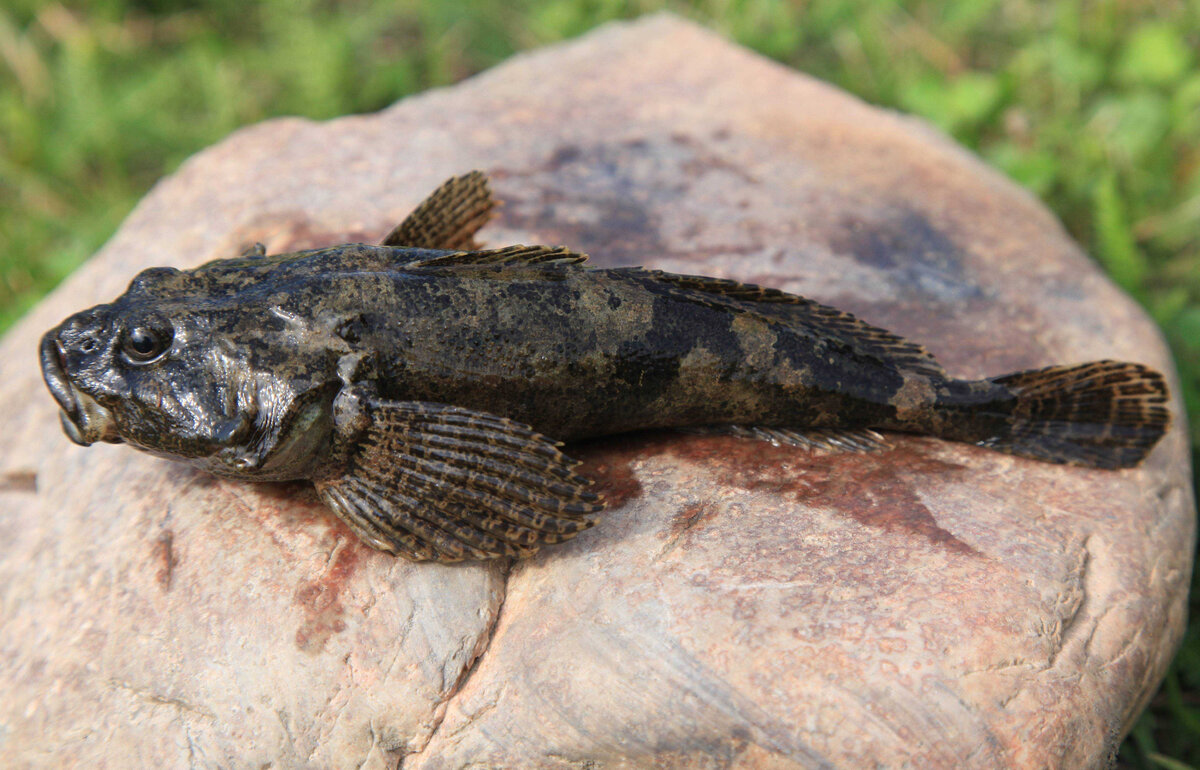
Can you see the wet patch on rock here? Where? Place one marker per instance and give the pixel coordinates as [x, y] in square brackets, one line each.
[609, 464]
[876, 489]
[320, 599]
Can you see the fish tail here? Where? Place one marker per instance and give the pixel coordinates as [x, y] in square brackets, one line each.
[1106, 414]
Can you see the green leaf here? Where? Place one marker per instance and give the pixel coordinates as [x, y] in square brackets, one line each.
[1184, 334]
[1185, 108]
[1033, 168]
[1169, 764]
[1187, 325]
[972, 96]
[1115, 245]
[1133, 125]
[954, 105]
[1166, 307]
[1154, 54]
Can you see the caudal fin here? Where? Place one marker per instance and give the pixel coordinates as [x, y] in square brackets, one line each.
[1107, 414]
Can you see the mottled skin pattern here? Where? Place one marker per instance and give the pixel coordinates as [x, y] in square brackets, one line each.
[571, 351]
[411, 383]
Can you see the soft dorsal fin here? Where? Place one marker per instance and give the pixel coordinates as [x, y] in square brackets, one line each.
[511, 255]
[449, 217]
[795, 309]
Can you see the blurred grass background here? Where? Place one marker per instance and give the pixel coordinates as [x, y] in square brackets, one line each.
[1093, 105]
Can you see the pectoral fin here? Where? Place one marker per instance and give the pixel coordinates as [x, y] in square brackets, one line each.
[449, 217]
[437, 482]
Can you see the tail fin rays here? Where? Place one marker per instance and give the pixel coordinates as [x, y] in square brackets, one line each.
[1106, 414]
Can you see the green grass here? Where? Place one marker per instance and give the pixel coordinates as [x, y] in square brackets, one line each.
[1095, 106]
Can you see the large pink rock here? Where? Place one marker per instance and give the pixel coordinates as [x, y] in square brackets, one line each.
[740, 605]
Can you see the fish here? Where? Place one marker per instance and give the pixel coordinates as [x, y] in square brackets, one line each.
[427, 386]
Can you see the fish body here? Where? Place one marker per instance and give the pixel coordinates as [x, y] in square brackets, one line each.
[424, 384]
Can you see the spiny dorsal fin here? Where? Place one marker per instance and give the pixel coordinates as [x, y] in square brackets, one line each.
[820, 319]
[449, 217]
[434, 481]
[512, 255]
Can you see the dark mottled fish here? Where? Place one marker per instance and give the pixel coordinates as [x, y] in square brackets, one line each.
[416, 382]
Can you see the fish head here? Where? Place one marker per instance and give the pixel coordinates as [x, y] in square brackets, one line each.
[76, 361]
[186, 369]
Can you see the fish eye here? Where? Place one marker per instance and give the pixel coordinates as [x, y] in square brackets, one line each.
[143, 344]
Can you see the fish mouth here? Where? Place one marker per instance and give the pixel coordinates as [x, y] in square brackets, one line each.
[83, 419]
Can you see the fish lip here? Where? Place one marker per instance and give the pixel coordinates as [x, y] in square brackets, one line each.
[83, 419]
[54, 372]
[72, 430]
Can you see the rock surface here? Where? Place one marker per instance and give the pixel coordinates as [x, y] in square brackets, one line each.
[741, 605]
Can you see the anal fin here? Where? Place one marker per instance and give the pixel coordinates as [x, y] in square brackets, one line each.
[860, 440]
[438, 482]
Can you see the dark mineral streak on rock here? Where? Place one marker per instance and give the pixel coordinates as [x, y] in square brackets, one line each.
[692, 516]
[584, 189]
[21, 480]
[703, 160]
[922, 259]
[164, 554]
[595, 196]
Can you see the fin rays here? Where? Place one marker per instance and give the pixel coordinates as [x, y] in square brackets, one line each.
[801, 311]
[449, 218]
[509, 255]
[862, 440]
[433, 481]
[1107, 414]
